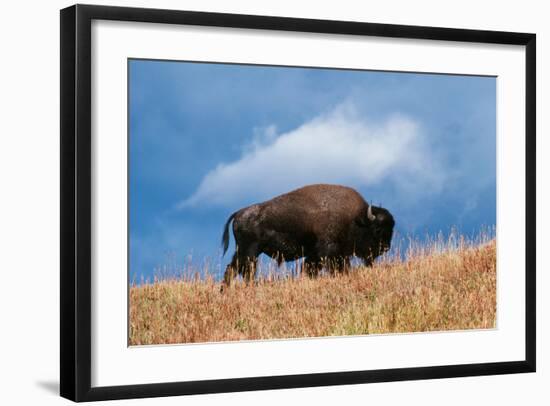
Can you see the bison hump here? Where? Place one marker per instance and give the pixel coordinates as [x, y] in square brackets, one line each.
[314, 206]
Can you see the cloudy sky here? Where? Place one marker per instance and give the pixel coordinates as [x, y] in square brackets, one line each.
[208, 139]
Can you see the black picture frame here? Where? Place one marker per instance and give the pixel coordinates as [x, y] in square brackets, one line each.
[76, 197]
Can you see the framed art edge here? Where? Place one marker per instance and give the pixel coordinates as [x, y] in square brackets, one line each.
[300, 381]
[295, 24]
[531, 201]
[67, 201]
[75, 203]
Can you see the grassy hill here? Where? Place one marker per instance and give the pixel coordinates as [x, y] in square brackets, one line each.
[432, 289]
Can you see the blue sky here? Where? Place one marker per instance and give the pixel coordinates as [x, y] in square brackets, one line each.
[208, 139]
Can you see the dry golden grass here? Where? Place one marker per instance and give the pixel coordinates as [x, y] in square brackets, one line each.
[436, 289]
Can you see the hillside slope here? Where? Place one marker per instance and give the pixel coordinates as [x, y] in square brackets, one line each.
[448, 290]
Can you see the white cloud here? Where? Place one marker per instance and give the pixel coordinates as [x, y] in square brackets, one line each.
[341, 146]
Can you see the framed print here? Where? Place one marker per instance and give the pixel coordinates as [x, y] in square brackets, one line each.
[255, 202]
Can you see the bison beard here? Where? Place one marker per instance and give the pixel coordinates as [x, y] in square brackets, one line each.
[324, 224]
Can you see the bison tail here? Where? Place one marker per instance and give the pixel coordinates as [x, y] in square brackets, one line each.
[225, 238]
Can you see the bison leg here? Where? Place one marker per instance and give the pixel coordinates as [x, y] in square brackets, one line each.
[237, 266]
[313, 266]
[249, 270]
[332, 265]
[367, 261]
[243, 263]
[339, 264]
[231, 271]
[248, 267]
[347, 265]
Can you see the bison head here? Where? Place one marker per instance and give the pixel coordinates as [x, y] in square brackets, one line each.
[378, 226]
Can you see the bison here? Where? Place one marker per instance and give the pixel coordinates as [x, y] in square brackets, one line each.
[324, 224]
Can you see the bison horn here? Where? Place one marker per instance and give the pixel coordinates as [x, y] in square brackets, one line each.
[370, 216]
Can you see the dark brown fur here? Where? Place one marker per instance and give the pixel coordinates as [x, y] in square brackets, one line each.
[325, 224]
